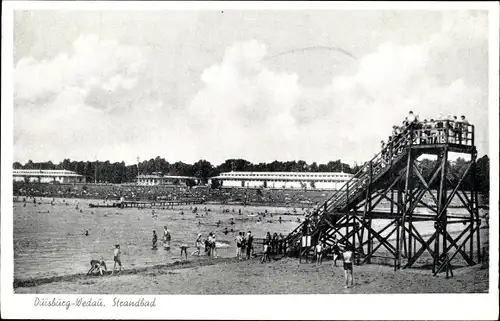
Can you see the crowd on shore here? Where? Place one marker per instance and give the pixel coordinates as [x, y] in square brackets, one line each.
[113, 193]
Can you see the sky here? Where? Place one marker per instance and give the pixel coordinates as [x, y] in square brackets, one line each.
[190, 85]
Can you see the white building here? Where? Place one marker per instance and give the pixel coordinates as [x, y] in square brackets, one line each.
[47, 176]
[287, 180]
[149, 180]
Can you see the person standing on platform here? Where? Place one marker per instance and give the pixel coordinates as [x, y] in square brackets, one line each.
[463, 129]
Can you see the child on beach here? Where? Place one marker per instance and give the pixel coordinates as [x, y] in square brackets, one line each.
[267, 247]
[318, 249]
[116, 258]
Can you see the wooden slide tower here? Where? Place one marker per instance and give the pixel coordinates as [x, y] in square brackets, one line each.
[385, 212]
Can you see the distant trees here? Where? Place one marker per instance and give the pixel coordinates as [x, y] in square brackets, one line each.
[202, 170]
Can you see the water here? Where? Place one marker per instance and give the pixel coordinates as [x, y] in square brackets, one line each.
[49, 240]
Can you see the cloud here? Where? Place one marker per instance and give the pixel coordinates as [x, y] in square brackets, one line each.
[248, 110]
[104, 98]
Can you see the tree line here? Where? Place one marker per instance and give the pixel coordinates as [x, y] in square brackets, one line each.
[118, 172]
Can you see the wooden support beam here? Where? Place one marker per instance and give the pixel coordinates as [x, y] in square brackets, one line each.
[456, 252]
[454, 243]
[384, 242]
[421, 251]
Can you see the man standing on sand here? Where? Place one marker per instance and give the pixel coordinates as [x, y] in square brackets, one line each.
[166, 238]
[155, 239]
[348, 266]
[116, 258]
[238, 245]
[249, 244]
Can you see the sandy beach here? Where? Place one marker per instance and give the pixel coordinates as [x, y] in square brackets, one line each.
[282, 276]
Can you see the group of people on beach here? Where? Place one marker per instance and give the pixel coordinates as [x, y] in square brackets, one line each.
[275, 244]
[338, 250]
[244, 245]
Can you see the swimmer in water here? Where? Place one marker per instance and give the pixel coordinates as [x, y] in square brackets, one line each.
[86, 232]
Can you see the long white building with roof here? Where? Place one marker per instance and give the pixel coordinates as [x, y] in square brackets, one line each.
[286, 180]
[155, 179]
[47, 176]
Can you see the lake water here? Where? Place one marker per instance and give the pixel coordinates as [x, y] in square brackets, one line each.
[49, 240]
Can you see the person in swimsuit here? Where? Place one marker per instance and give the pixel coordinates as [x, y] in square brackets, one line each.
[166, 238]
[319, 253]
[214, 246]
[249, 245]
[348, 267]
[238, 245]
[184, 248]
[116, 258]
[198, 243]
[155, 239]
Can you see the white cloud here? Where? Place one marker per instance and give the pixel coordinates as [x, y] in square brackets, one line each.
[100, 98]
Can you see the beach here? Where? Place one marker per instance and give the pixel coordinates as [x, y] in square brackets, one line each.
[52, 255]
[285, 276]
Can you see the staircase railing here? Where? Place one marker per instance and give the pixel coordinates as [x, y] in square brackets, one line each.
[357, 184]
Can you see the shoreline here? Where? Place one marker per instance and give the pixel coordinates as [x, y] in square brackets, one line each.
[34, 282]
[280, 276]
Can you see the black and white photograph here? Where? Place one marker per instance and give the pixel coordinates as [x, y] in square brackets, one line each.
[212, 149]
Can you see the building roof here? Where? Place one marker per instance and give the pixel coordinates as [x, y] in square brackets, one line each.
[44, 172]
[336, 176]
[165, 177]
